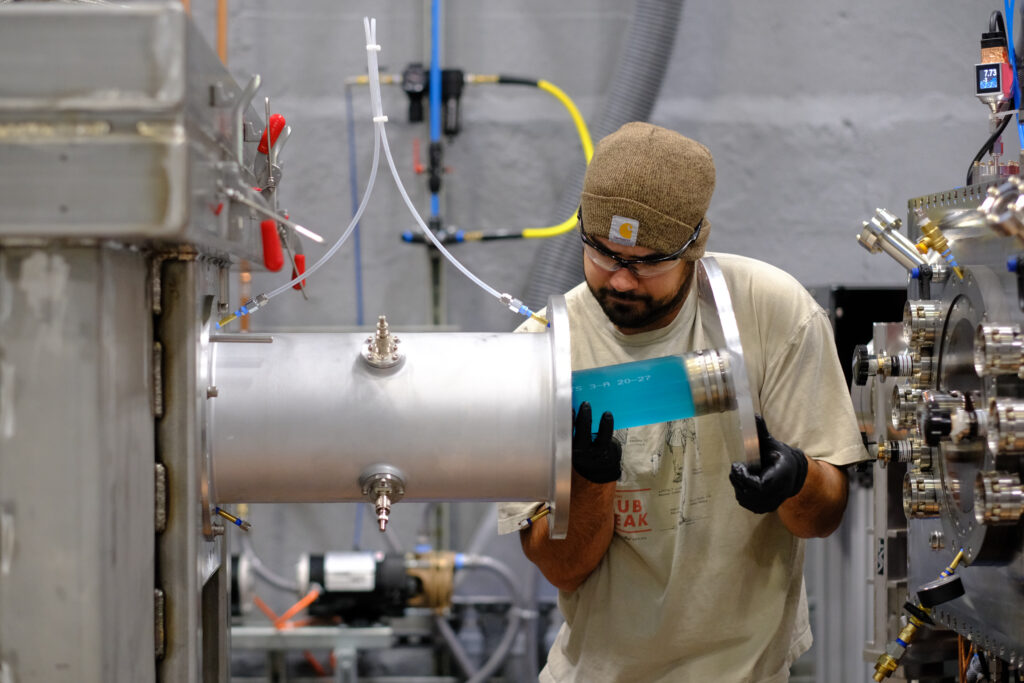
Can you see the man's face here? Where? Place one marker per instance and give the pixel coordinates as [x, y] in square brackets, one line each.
[637, 304]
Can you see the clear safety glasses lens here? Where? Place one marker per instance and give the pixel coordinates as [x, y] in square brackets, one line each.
[641, 270]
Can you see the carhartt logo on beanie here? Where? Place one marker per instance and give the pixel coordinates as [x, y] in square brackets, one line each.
[650, 187]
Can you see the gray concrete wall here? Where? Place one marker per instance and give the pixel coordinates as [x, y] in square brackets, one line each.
[816, 112]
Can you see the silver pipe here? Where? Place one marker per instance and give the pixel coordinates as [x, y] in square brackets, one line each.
[460, 417]
[882, 233]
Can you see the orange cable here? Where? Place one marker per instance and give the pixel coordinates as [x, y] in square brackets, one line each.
[302, 604]
[264, 608]
[292, 624]
[317, 667]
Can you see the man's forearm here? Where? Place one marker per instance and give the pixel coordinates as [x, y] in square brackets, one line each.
[568, 562]
[817, 510]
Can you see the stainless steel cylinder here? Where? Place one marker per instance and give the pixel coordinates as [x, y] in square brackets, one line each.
[998, 350]
[1005, 426]
[463, 417]
[998, 498]
[921, 322]
[920, 495]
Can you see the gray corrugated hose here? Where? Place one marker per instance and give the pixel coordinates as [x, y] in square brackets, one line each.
[631, 95]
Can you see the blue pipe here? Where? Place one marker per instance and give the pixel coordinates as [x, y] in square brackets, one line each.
[1008, 8]
[435, 88]
[353, 186]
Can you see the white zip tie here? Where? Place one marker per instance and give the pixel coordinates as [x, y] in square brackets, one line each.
[380, 119]
[375, 48]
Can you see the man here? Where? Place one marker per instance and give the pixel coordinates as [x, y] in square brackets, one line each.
[678, 565]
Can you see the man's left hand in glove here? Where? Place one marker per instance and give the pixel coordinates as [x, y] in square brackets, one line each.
[780, 474]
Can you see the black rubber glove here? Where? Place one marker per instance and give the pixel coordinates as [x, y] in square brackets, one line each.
[597, 459]
[781, 473]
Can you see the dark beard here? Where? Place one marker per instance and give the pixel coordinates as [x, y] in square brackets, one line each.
[627, 316]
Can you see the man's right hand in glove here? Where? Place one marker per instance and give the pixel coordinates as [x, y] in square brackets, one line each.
[595, 458]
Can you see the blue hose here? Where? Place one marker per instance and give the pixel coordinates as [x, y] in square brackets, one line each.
[1008, 7]
[435, 88]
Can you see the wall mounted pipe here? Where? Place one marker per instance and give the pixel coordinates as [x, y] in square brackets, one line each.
[461, 417]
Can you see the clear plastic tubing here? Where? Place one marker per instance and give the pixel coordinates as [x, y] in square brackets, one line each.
[656, 390]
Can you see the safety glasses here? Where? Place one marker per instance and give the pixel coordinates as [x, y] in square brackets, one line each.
[644, 267]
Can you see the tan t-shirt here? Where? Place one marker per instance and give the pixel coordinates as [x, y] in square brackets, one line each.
[694, 587]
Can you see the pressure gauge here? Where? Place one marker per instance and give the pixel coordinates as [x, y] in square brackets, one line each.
[993, 82]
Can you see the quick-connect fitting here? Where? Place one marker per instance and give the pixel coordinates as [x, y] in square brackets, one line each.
[516, 306]
[248, 307]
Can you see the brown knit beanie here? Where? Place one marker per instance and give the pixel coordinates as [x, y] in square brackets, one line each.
[648, 186]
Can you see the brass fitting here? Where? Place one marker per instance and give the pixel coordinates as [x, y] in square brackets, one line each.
[932, 238]
[435, 571]
[889, 661]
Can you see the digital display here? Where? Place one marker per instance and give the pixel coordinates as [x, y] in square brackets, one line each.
[988, 78]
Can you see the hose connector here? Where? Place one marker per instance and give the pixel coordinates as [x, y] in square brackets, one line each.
[383, 485]
[248, 307]
[382, 347]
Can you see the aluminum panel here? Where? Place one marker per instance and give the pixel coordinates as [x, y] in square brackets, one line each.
[124, 130]
[110, 57]
[76, 466]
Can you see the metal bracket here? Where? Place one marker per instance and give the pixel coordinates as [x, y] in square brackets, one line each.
[220, 96]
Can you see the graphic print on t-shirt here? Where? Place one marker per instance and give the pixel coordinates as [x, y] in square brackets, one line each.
[660, 466]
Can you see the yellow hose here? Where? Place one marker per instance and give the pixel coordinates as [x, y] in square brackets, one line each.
[588, 152]
[581, 125]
